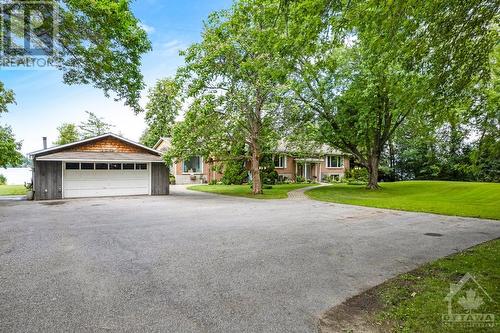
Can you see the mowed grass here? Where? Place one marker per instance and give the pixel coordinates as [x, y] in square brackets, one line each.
[440, 197]
[414, 302]
[12, 190]
[276, 192]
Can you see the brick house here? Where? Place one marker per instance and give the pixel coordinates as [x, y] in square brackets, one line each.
[316, 165]
[195, 170]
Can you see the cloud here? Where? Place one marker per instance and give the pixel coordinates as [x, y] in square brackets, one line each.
[170, 48]
[149, 29]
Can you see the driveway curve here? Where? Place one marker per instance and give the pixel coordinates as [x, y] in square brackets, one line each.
[197, 262]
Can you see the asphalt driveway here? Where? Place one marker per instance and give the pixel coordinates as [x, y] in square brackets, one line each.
[196, 262]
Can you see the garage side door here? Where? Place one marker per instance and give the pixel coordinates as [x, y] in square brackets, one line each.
[99, 183]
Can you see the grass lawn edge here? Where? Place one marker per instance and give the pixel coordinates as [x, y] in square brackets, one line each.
[480, 215]
[278, 195]
[12, 190]
[390, 306]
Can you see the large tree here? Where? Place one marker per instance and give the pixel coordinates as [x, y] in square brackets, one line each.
[234, 76]
[9, 148]
[68, 133]
[6, 98]
[98, 43]
[363, 68]
[163, 106]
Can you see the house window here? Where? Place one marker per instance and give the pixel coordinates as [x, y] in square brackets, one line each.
[280, 161]
[115, 166]
[87, 166]
[192, 165]
[128, 166]
[72, 166]
[141, 166]
[101, 166]
[334, 161]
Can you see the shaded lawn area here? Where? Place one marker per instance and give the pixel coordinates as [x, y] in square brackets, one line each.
[12, 190]
[415, 301]
[440, 197]
[277, 192]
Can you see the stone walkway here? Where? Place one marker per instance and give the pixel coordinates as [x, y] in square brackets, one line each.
[300, 195]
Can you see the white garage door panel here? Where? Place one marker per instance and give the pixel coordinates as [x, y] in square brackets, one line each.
[98, 183]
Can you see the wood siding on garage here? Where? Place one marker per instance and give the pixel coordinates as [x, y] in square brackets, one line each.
[47, 180]
[108, 145]
[159, 179]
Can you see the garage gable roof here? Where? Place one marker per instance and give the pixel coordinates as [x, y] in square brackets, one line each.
[76, 144]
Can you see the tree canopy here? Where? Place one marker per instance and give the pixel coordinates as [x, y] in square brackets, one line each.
[363, 68]
[93, 126]
[98, 43]
[9, 148]
[233, 77]
[68, 133]
[352, 74]
[164, 105]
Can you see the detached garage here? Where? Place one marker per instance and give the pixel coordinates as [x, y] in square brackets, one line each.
[106, 165]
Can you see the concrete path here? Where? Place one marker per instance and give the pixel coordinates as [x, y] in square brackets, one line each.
[299, 194]
[12, 197]
[196, 262]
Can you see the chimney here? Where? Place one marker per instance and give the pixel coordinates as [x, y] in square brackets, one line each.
[44, 142]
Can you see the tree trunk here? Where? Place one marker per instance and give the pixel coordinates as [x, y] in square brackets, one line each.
[373, 173]
[255, 169]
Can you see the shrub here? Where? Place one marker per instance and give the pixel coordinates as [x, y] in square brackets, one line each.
[386, 174]
[332, 179]
[299, 179]
[235, 173]
[359, 174]
[234, 170]
[3, 180]
[269, 177]
[213, 182]
[268, 174]
[171, 179]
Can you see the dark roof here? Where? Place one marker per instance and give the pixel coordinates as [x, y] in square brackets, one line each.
[99, 156]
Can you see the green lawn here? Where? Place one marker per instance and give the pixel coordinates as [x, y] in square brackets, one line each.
[440, 197]
[12, 190]
[414, 302]
[277, 192]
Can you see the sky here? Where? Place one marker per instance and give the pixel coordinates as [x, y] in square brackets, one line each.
[44, 102]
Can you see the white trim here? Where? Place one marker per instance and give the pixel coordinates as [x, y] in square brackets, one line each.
[341, 160]
[63, 166]
[285, 158]
[149, 180]
[92, 139]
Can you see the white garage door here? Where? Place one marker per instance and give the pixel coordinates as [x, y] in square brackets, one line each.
[105, 179]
